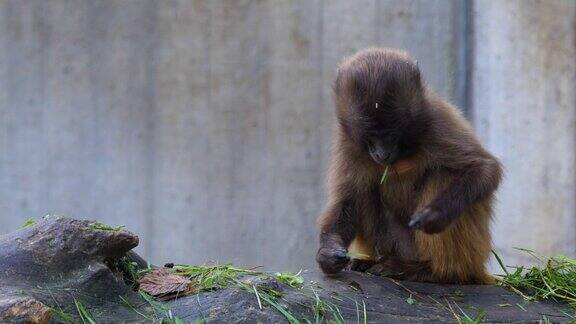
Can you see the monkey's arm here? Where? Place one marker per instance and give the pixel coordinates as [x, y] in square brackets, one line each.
[337, 230]
[476, 176]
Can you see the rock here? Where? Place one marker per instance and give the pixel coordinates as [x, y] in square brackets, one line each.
[23, 309]
[58, 262]
[59, 270]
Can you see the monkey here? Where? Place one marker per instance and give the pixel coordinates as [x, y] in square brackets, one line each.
[429, 218]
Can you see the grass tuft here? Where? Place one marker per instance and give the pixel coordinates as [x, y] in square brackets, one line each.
[162, 313]
[463, 317]
[84, 314]
[210, 277]
[61, 316]
[322, 308]
[28, 222]
[553, 278]
[133, 308]
[102, 227]
[272, 301]
[467, 319]
[293, 280]
[129, 269]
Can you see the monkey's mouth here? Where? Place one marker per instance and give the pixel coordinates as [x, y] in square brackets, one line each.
[384, 159]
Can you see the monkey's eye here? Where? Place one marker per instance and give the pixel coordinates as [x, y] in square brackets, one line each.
[379, 134]
[371, 144]
[371, 149]
[368, 143]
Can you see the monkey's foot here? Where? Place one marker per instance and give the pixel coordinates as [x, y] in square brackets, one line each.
[360, 265]
[401, 269]
[384, 269]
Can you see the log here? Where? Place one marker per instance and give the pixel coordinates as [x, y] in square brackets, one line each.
[62, 270]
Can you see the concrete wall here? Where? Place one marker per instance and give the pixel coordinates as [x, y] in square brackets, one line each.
[205, 125]
[524, 107]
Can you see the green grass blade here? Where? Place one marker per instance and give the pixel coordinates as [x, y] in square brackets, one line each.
[84, 314]
[500, 262]
[279, 308]
[384, 176]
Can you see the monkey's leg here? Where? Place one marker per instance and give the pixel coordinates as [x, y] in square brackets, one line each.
[360, 265]
[402, 269]
[459, 254]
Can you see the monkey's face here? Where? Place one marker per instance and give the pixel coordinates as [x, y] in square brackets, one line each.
[382, 149]
[390, 132]
[381, 104]
[387, 135]
[387, 126]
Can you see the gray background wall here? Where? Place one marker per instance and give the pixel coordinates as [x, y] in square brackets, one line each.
[204, 126]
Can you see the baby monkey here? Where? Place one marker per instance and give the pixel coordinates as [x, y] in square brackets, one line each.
[428, 217]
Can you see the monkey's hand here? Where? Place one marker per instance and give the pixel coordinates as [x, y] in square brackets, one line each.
[332, 259]
[430, 221]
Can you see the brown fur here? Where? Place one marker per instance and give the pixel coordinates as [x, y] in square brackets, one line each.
[440, 178]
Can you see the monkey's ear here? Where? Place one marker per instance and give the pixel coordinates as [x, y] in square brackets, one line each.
[343, 79]
[416, 76]
[337, 86]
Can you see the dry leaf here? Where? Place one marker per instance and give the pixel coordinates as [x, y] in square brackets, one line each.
[165, 285]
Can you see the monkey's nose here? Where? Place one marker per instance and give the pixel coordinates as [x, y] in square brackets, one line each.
[380, 157]
[385, 156]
